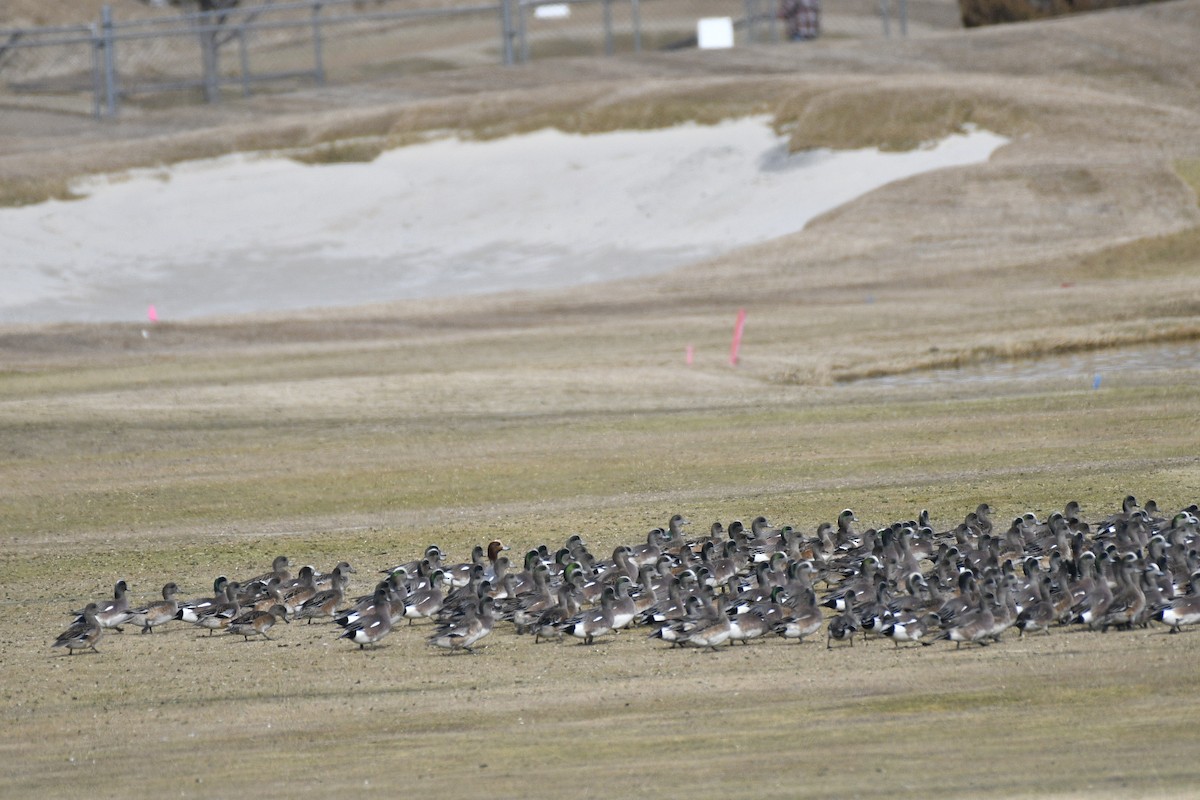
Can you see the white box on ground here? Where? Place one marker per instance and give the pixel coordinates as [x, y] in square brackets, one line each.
[714, 33]
[552, 11]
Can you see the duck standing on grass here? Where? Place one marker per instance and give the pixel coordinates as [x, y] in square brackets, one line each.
[593, 622]
[476, 623]
[257, 623]
[324, 604]
[193, 610]
[113, 613]
[1183, 610]
[370, 628]
[152, 615]
[711, 635]
[83, 633]
[221, 614]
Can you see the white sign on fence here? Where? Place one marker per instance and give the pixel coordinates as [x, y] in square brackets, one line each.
[553, 11]
[714, 33]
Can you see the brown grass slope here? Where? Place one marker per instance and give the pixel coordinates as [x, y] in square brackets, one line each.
[210, 447]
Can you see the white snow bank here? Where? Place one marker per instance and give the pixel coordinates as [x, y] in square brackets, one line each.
[248, 233]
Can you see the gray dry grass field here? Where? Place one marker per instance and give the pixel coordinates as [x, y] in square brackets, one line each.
[366, 434]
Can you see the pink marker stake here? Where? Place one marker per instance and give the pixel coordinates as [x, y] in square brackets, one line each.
[689, 354]
[152, 314]
[738, 327]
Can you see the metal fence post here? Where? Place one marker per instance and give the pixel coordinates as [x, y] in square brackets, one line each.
[244, 57]
[750, 8]
[208, 55]
[885, 14]
[97, 69]
[318, 50]
[635, 11]
[110, 62]
[506, 32]
[609, 45]
[523, 31]
[903, 11]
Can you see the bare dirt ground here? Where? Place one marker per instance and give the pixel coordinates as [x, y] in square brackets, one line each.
[208, 448]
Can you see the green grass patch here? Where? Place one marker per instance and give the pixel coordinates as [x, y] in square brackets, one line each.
[30, 191]
[342, 151]
[1188, 170]
[891, 117]
[216, 471]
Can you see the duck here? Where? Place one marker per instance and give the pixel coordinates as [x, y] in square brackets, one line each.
[154, 614]
[1182, 610]
[1129, 601]
[466, 572]
[432, 555]
[324, 604]
[624, 607]
[257, 623]
[370, 628]
[746, 626]
[192, 610]
[491, 571]
[550, 624]
[973, 627]
[82, 634]
[712, 635]
[800, 624]
[909, 627]
[1040, 614]
[220, 615]
[303, 588]
[843, 627]
[529, 607]
[666, 608]
[114, 613]
[593, 622]
[644, 555]
[804, 618]
[266, 597]
[847, 536]
[673, 541]
[462, 635]
[697, 611]
[324, 580]
[280, 568]
[1092, 592]
[427, 602]
[523, 581]
[394, 593]
[458, 601]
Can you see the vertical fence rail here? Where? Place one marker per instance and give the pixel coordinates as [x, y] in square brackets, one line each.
[523, 31]
[318, 52]
[207, 31]
[609, 44]
[635, 14]
[244, 60]
[110, 62]
[507, 30]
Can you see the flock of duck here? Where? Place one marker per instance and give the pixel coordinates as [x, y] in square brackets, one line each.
[906, 582]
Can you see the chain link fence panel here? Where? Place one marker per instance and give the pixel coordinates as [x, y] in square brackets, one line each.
[276, 44]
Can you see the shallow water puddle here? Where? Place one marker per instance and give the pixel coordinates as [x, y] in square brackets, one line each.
[1088, 369]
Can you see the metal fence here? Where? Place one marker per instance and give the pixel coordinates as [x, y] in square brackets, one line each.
[261, 47]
